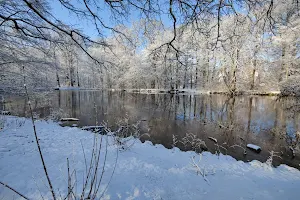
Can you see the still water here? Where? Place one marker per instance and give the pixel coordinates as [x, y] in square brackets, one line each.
[269, 122]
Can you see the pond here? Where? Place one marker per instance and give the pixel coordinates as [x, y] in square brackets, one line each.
[182, 120]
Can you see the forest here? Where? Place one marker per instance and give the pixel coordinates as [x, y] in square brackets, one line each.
[149, 99]
[225, 46]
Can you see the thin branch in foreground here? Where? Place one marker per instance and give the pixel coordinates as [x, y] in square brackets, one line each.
[37, 140]
[71, 33]
[15, 191]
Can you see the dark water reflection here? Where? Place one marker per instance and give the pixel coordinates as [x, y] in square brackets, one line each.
[265, 121]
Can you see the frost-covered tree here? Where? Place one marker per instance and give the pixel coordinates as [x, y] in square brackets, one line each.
[176, 44]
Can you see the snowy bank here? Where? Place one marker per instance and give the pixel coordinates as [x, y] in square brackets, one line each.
[67, 88]
[143, 171]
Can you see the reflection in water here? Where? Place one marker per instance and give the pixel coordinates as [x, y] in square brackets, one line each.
[265, 121]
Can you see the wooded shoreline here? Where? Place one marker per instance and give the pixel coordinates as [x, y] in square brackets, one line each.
[183, 91]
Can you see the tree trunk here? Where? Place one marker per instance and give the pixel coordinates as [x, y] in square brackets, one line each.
[253, 79]
[57, 79]
[184, 78]
[233, 82]
[295, 67]
[203, 77]
[71, 68]
[252, 85]
[213, 71]
[153, 81]
[101, 78]
[191, 77]
[284, 70]
[177, 77]
[72, 76]
[253, 74]
[171, 79]
[78, 84]
[56, 69]
[196, 77]
[207, 67]
[249, 115]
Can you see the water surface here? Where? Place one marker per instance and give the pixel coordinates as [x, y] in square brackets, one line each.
[269, 122]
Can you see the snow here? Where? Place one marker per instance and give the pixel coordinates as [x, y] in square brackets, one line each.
[254, 147]
[143, 170]
[69, 119]
[67, 88]
[213, 139]
[92, 127]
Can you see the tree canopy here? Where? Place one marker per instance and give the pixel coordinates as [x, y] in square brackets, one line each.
[185, 42]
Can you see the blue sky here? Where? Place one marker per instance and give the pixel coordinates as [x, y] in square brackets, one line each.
[71, 19]
[88, 27]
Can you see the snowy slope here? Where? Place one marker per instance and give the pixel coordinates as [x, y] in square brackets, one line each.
[143, 171]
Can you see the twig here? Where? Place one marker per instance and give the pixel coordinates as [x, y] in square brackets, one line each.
[69, 180]
[198, 168]
[15, 191]
[89, 171]
[236, 145]
[103, 170]
[111, 173]
[36, 138]
[85, 163]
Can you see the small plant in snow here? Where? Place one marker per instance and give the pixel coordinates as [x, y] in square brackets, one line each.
[295, 143]
[126, 129]
[56, 114]
[219, 147]
[195, 143]
[273, 154]
[15, 123]
[2, 122]
[175, 141]
[20, 122]
[203, 171]
[126, 134]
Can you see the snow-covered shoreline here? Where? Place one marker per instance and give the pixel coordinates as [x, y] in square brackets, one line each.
[143, 171]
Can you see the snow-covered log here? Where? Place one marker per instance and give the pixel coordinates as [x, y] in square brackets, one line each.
[213, 139]
[95, 129]
[254, 147]
[5, 112]
[69, 119]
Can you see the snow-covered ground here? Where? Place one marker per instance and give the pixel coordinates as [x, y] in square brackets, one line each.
[143, 171]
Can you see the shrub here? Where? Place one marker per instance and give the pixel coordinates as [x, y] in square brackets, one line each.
[291, 86]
